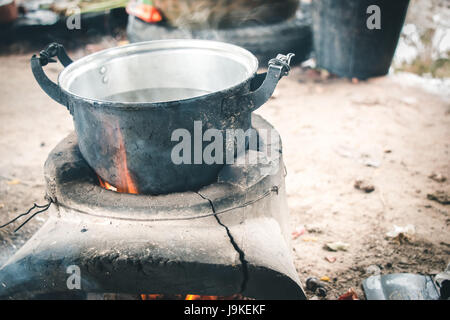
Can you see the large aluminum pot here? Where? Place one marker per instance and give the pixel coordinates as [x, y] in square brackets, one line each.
[128, 101]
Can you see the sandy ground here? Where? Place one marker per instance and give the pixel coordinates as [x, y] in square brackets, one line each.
[384, 131]
[381, 131]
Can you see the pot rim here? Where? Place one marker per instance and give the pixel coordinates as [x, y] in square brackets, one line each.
[160, 45]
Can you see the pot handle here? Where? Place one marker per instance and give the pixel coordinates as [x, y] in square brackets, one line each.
[45, 56]
[278, 68]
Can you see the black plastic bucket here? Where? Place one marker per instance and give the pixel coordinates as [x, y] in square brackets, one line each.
[346, 46]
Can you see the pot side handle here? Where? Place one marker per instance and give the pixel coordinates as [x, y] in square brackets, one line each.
[278, 68]
[46, 56]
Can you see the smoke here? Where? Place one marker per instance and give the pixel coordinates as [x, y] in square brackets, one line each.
[192, 15]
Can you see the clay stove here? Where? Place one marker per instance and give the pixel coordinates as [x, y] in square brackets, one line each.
[229, 237]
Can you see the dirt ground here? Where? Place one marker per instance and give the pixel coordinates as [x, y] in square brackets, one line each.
[384, 131]
[387, 131]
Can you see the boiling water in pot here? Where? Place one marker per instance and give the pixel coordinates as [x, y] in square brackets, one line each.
[153, 95]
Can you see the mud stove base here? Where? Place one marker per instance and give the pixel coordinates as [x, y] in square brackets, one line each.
[229, 237]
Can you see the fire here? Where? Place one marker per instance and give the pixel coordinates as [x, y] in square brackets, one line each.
[127, 184]
[151, 296]
[197, 297]
[106, 185]
[177, 297]
[189, 297]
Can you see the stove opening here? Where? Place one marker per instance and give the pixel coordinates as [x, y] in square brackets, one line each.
[191, 297]
[131, 188]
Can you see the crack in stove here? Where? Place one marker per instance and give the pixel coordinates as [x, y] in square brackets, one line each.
[236, 247]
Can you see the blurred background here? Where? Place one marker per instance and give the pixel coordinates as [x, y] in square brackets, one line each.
[423, 46]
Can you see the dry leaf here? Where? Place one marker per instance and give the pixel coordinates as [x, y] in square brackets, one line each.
[349, 295]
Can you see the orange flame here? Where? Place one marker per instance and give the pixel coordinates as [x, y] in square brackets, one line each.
[127, 184]
[106, 185]
[151, 296]
[189, 297]
[198, 297]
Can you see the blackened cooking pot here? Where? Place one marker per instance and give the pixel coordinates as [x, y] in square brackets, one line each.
[127, 103]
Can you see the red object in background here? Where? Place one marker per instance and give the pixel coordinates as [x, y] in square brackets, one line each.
[144, 10]
[8, 11]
